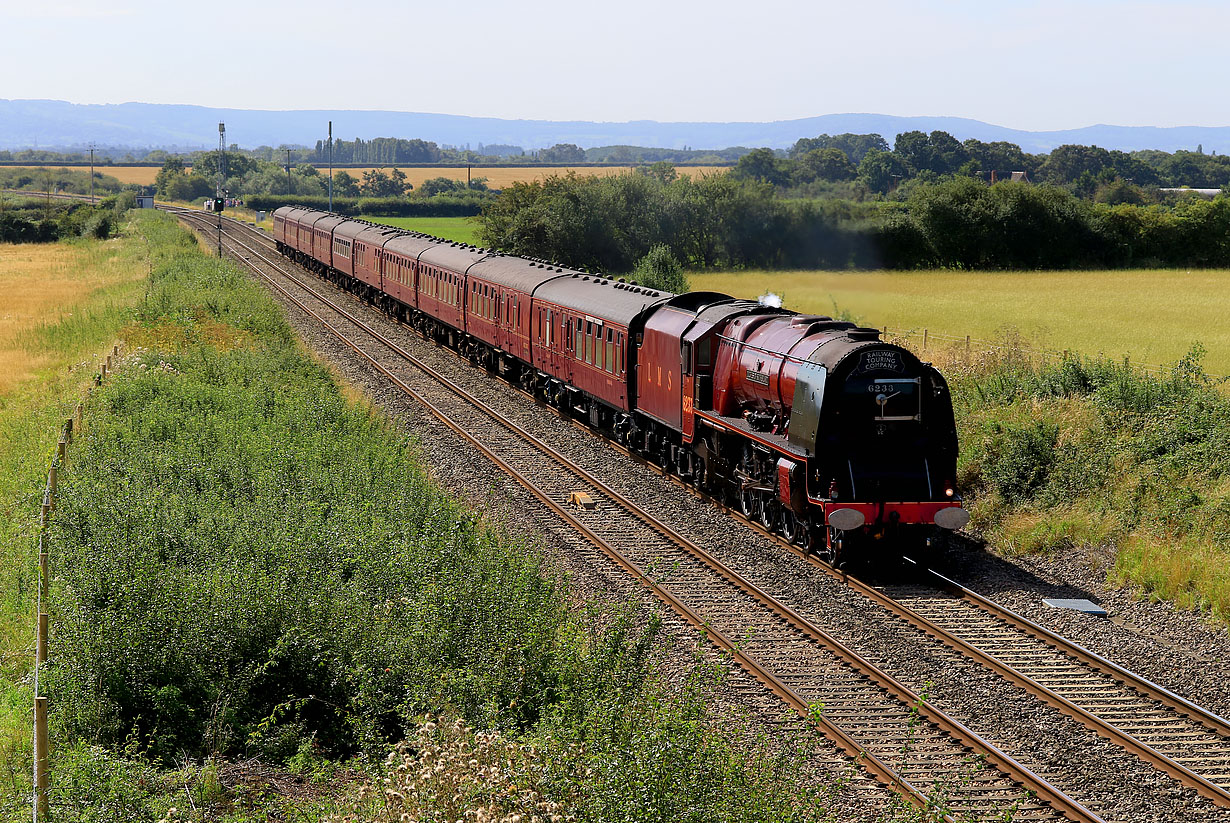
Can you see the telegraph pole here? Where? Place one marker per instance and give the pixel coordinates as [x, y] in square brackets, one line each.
[289, 191]
[91, 173]
[221, 178]
[330, 165]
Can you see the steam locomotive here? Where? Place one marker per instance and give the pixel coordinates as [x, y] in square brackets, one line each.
[817, 429]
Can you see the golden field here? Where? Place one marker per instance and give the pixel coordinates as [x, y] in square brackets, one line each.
[499, 178]
[141, 175]
[1152, 316]
[496, 178]
[46, 286]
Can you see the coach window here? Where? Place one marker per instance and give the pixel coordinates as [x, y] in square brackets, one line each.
[610, 350]
[589, 342]
[619, 353]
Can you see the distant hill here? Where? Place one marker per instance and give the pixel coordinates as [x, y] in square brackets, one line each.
[54, 123]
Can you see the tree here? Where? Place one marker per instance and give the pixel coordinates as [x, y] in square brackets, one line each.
[660, 270]
[378, 184]
[562, 153]
[344, 185]
[830, 165]
[880, 171]
[441, 185]
[173, 168]
[662, 171]
[937, 152]
[236, 164]
[763, 165]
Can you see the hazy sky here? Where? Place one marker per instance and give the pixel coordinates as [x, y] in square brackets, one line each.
[1030, 64]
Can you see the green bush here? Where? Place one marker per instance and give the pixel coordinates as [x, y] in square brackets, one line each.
[660, 270]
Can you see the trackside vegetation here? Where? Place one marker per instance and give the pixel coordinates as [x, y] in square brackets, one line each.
[1096, 456]
[255, 576]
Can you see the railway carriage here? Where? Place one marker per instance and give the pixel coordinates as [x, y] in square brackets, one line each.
[818, 429]
[583, 333]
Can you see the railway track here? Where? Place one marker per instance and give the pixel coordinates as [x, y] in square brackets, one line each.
[892, 732]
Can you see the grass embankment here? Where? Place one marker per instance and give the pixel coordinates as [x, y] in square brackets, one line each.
[63, 306]
[250, 566]
[459, 229]
[1094, 457]
[1152, 315]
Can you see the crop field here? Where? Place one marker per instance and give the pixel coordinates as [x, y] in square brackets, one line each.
[496, 178]
[1152, 316]
[460, 229]
[499, 178]
[141, 175]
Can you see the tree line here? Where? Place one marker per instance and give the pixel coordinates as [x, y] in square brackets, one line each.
[728, 221]
[867, 162]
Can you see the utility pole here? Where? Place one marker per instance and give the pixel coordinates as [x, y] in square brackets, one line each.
[330, 165]
[221, 179]
[91, 173]
[289, 190]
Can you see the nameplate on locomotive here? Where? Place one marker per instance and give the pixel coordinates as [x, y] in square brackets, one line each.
[880, 360]
[759, 377]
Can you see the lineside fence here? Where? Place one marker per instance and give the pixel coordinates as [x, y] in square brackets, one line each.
[73, 426]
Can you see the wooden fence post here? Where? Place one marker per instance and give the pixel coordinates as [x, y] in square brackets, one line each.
[42, 804]
[62, 448]
[967, 344]
[40, 652]
[924, 339]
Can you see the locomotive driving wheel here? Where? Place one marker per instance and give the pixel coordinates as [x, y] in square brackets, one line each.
[793, 529]
[749, 504]
[768, 511]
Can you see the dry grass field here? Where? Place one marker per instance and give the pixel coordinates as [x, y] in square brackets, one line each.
[141, 175]
[1153, 316]
[499, 178]
[46, 286]
[496, 178]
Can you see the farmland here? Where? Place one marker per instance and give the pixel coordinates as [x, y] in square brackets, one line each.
[460, 229]
[1153, 316]
[496, 178]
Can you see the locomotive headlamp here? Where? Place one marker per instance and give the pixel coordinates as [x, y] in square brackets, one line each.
[950, 491]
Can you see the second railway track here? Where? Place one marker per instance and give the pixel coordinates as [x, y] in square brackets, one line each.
[793, 657]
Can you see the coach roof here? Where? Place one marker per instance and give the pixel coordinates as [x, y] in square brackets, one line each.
[516, 272]
[411, 245]
[601, 296]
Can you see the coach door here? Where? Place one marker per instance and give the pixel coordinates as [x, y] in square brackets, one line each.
[688, 390]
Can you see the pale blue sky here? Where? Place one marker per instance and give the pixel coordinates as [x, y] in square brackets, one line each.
[1030, 64]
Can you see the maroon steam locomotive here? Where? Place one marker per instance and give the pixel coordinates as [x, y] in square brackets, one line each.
[815, 428]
